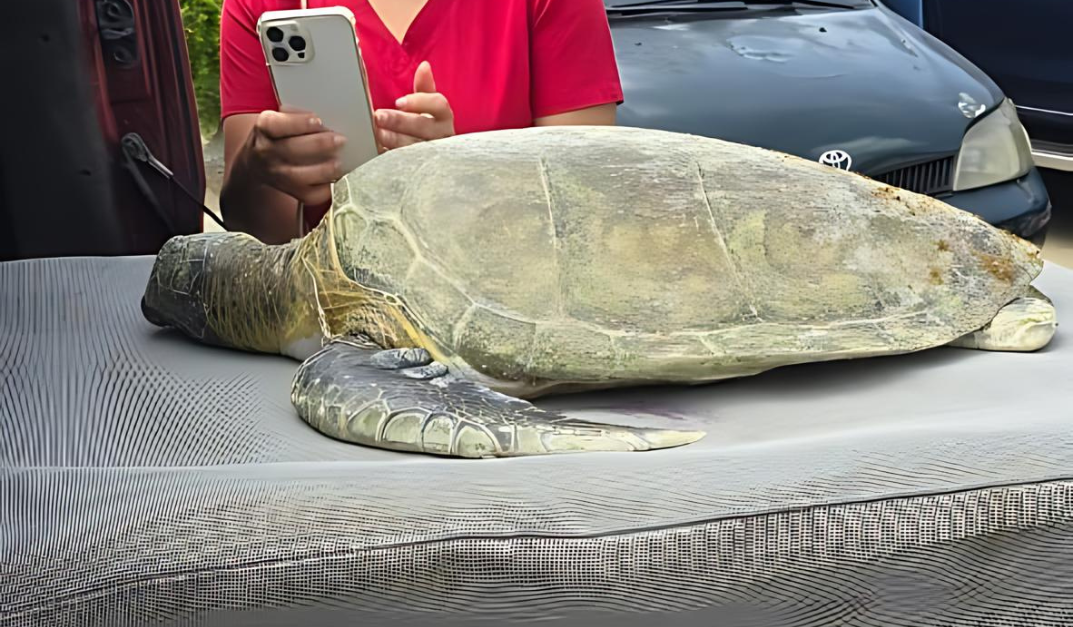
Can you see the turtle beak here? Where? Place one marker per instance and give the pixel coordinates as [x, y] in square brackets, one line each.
[152, 314]
[174, 293]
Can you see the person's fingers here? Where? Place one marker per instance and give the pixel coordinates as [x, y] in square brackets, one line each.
[280, 125]
[421, 116]
[420, 126]
[394, 123]
[315, 196]
[389, 140]
[434, 104]
[310, 149]
[312, 175]
[298, 180]
[424, 82]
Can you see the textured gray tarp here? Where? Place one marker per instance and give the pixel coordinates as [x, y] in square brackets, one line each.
[146, 480]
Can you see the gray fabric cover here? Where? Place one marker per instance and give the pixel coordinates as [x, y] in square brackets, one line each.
[147, 480]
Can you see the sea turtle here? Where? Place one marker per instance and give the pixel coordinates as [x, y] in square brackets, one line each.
[456, 280]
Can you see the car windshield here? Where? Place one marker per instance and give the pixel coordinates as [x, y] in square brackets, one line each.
[731, 5]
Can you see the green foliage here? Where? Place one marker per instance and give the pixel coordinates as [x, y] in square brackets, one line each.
[201, 20]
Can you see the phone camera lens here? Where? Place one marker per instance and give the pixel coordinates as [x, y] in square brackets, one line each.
[275, 35]
[298, 43]
[280, 54]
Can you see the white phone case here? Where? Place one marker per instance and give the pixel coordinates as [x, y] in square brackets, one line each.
[326, 76]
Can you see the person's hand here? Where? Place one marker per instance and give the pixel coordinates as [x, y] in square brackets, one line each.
[421, 116]
[292, 151]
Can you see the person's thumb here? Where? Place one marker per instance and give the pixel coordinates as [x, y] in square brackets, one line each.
[424, 83]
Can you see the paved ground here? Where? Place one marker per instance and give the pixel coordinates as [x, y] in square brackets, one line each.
[214, 172]
[1059, 246]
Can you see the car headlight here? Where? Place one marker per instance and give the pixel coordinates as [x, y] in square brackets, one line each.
[995, 149]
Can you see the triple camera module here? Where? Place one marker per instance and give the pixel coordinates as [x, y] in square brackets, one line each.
[295, 44]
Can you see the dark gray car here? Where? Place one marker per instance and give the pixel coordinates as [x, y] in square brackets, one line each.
[845, 82]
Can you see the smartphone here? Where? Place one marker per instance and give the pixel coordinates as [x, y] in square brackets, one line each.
[315, 61]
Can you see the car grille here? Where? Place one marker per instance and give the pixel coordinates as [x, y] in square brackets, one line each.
[931, 177]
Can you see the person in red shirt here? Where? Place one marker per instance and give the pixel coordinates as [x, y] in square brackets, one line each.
[435, 67]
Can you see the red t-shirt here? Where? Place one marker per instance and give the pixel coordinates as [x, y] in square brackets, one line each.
[499, 63]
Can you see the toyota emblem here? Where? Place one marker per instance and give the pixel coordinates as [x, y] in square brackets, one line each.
[837, 159]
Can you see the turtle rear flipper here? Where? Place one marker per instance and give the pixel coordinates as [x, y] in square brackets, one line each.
[402, 400]
[1027, 324]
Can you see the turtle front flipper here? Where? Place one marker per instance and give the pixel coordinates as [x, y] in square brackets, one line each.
[402, 400]
[1027, 324]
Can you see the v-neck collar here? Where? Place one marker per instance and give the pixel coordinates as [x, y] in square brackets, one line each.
[418, 34]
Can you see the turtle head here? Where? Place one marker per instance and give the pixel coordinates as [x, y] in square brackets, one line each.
[232, 290]
[176, 292]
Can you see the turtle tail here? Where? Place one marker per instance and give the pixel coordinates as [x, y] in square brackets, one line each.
[231, 290]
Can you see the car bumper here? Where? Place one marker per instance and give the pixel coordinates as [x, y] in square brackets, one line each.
[1021, 206]
[1053, 159]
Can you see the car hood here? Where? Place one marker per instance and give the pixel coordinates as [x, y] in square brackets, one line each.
[863, 81]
